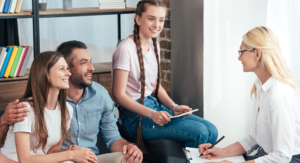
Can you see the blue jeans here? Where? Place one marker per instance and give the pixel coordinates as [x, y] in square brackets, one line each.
[192, 130]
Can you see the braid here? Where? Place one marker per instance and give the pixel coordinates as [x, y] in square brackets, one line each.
[139, 135]
[140, 9]
[158, 67]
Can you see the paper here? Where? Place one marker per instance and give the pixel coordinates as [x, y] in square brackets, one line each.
[194, 153]
[176, 116]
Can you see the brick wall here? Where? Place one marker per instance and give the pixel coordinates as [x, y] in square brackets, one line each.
[165, 52]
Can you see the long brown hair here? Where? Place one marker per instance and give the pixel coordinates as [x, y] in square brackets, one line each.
[36, 95]
[140, 9]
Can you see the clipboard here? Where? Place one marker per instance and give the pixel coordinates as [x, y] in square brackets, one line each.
[192, 156]
[187, 154]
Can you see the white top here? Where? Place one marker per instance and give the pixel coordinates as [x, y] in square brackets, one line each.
[276, 123]
[53, 123]
[125, 57]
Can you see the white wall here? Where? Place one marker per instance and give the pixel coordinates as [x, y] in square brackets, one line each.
[226, 87]
[98, 32]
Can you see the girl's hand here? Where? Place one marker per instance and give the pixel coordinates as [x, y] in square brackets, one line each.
[181, 109]
[161, 117]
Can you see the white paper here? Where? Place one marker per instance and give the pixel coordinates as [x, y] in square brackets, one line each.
[176, 116]
[196, 159]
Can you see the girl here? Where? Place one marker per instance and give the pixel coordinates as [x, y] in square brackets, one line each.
[45, 128]
[142, 100]
[276, 125]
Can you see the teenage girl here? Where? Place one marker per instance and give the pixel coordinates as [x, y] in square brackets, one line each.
[144, 105]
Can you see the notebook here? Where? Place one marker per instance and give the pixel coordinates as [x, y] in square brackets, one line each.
[9, 50]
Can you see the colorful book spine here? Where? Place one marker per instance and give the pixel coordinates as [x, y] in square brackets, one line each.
[22, 59]
[18, 65]
[11, 61]
[16, 61]
[27, 61]
[6, 6]
[13, 6]
[9, 51]
[2, 2]
[3, 52]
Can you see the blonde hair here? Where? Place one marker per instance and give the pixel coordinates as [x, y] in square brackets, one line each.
[272, 59]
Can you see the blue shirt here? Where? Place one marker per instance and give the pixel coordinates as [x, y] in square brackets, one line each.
[93, 112]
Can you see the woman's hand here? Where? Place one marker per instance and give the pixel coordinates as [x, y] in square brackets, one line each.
[179, 109]
[161, 117]
[211, 153]
[84, 155]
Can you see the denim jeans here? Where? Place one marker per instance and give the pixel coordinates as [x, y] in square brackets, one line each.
[192, 130]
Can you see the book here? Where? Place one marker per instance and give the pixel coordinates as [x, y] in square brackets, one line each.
[1, 5]
[112, 7]
[9, 6]
[111, 0]
[2, 56]
[22, 59]
[11, 61]
[13, 6]
[18, 64]
[16, 61]
[6, 6]
[27, 61]
[9, 51]
[18, 6]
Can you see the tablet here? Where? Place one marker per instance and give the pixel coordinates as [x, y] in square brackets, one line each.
[180, 115]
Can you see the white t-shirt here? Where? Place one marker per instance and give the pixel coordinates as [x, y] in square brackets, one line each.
[53, 123]
[125, 57]
[276, 122]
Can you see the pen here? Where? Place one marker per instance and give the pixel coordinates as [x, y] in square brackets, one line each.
[214, 144]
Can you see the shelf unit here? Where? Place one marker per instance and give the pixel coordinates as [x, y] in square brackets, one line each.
[10, 88]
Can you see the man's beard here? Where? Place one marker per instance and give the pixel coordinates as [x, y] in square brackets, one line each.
[77, 81]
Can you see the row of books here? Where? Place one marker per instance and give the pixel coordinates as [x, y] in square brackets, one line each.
[112, 4]
[14, 60]
[10, 6]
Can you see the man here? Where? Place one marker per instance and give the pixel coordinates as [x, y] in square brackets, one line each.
[93, 110]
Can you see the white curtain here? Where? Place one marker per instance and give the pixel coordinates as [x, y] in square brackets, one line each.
[100, 33]
[283, 18]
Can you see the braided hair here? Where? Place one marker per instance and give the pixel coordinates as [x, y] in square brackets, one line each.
[141, 7]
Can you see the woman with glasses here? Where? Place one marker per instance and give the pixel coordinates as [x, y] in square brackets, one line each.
[276, 122]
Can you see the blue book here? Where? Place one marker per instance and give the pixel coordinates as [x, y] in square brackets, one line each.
[9, 50]
[6, 6]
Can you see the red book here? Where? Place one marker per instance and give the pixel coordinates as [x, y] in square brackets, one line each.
[25, 52]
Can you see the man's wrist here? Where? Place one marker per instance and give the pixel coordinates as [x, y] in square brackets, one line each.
[2, 123]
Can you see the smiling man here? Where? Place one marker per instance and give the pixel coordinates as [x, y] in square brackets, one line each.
[93, 110]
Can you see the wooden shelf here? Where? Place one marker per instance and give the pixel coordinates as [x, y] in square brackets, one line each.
[84, 11]
[23, 12]
[99, 68]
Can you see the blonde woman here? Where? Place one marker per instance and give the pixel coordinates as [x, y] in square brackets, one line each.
[276, 122]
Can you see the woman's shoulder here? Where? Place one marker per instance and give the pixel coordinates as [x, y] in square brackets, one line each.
[127, 44]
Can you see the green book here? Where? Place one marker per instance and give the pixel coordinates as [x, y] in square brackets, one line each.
[16, 61]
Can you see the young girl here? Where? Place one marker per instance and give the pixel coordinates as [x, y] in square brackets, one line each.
[276, 125]
[40, 135]
[142, 100]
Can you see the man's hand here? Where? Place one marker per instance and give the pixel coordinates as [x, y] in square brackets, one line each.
[133, 154]
[14, 112]
[84, 155]
[181, 109]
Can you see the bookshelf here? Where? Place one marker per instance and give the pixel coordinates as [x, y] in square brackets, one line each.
[13, 88]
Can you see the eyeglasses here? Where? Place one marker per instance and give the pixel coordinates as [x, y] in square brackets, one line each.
[241, 51]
